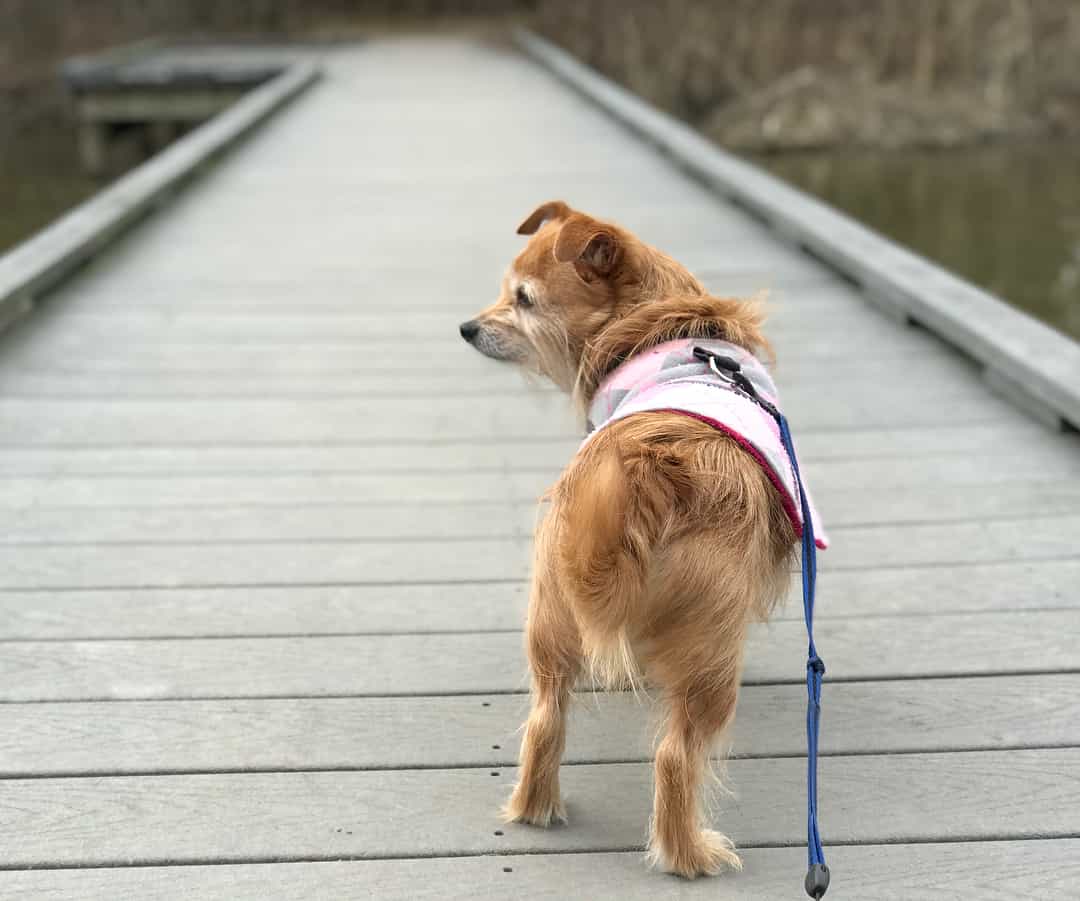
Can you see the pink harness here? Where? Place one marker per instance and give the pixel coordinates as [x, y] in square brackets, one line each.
[670, 378]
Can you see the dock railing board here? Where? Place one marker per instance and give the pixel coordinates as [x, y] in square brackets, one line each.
[1023, 359]
[168, 66]
[85, 68]
[162, 86]
[43, 260]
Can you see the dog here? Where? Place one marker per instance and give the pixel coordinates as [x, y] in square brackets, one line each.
[664, 538]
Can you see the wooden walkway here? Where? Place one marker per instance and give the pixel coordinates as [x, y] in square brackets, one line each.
[262, 597]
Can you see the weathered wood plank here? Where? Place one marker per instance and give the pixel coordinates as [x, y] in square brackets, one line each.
[478, 606]
[448, 355]
[179, 308]
[260, 333]
[1012, 437]
[119, 329]
[454, 359]
[194, 491]
[464, 288]
[294, 563]
[38, 422]
[182, 531]
[957, 871]
[460, 663]
[543, 415]
[478, 258]
[244, 546]
[925, 544]
[459, 287]
[325, 816]
[403, 733]
[273, 523]
[262, 610]
[848, 481]
[221, 380]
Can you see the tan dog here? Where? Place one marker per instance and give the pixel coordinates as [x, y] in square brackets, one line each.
[664, 540]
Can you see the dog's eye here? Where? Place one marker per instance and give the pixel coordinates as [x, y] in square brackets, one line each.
[522, 297]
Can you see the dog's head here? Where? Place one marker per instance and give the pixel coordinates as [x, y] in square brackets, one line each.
[574, 276]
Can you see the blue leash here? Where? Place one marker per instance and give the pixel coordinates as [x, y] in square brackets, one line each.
[817, 873]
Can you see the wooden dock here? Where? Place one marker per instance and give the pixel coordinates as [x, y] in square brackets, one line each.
[261, 595]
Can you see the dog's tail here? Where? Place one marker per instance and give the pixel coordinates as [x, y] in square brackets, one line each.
[614, 507]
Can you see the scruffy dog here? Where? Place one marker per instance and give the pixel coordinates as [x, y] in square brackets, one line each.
[665, 538]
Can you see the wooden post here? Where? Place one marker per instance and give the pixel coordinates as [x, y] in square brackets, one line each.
[93, 146]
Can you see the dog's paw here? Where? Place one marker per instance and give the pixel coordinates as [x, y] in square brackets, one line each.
[704, 854]
[534, 807]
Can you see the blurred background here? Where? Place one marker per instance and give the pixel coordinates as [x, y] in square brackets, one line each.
[952, 126]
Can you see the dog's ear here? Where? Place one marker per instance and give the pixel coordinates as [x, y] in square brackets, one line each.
[591, 246]
[553, 209]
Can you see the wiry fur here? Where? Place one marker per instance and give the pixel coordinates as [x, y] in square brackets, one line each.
[664, 539]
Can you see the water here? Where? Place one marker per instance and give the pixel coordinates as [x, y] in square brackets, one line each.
[39, 179]
[40, 175]
[1007, 218]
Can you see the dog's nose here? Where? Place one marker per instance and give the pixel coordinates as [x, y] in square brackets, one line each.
[469, 330]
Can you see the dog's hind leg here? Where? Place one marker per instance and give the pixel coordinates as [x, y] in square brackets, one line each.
[699, 711]
[554, 650]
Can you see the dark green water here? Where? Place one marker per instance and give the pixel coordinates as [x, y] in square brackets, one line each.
[39, 179]
[40, 175]
[1006, 218]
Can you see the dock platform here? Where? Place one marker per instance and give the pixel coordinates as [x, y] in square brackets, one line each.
[265, 532]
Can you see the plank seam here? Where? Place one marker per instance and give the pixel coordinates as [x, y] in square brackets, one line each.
[508, 765]
[63, 588]
[109, 864]
[1006, 416]
[918, 677]
[516, 630]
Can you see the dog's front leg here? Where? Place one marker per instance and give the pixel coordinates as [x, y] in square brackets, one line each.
[554, 650]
